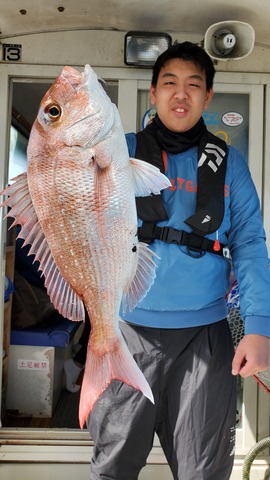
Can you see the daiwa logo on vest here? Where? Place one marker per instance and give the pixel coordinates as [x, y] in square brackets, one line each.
[218, 153]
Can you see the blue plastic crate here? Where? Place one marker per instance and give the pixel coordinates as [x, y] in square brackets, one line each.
[9, 288]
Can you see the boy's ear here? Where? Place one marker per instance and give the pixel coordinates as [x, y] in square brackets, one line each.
[152, 95]
[208, 98]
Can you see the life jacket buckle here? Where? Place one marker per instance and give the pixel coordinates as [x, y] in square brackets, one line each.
[171, 235]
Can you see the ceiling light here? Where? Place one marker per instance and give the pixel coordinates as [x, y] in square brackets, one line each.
[143, 48]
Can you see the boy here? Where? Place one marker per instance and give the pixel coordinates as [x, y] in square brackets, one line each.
[179, 334]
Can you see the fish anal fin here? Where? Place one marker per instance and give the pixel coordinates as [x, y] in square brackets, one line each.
[100, 371]
[147, 178]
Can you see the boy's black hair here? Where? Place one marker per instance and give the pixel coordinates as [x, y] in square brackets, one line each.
[189, 52]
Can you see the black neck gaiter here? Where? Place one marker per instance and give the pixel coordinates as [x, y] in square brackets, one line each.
[174, 142]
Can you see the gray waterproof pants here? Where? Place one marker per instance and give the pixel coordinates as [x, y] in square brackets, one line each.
[189, 371]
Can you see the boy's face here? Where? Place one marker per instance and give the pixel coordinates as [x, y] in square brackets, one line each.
[180, 95]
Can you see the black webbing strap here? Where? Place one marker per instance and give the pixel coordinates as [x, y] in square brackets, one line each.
[149, 232]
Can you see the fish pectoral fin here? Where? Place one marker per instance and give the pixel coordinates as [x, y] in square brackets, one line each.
[147, 178]
[101, 370]
[143, 279]
[22, 210]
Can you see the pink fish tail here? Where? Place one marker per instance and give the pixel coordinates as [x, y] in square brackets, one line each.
[101, 370]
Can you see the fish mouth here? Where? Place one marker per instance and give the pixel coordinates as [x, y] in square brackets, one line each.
[103, 113]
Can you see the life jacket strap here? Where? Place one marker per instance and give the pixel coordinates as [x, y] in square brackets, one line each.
[149, 232]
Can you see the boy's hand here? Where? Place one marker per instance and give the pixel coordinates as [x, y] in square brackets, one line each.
[251, 356]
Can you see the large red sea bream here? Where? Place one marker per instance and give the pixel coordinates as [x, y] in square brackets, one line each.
[76, 206]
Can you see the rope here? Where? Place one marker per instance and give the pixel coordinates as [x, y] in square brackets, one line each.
[252, 454]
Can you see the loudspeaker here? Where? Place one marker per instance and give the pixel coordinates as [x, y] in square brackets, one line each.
[229, 40]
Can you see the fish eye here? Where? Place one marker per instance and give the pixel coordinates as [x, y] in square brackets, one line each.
[53, 111]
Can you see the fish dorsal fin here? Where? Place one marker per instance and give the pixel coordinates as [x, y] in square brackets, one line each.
[147, 178]
[61, 294]
[143, 278]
